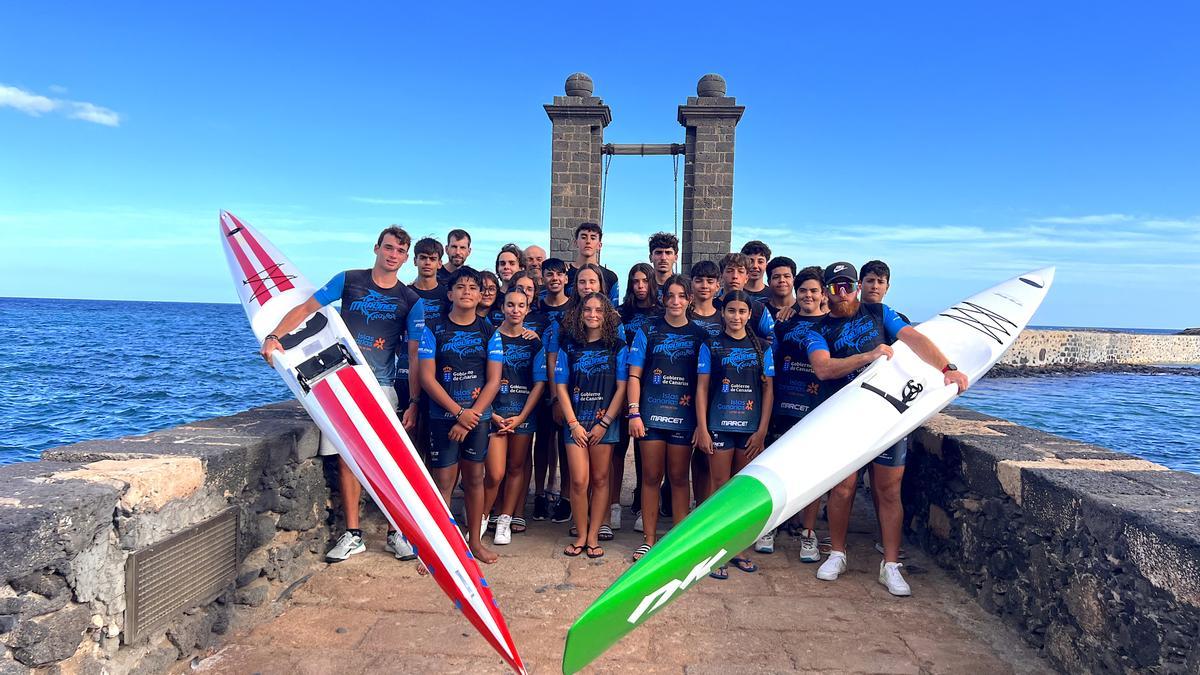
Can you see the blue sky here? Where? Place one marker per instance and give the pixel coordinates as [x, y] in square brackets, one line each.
[962, 143]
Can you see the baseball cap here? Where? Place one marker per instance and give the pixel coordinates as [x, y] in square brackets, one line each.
[840, 270]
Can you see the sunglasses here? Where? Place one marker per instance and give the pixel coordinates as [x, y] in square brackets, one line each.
[842, 286]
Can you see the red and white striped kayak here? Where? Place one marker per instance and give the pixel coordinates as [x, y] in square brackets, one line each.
[324, 368]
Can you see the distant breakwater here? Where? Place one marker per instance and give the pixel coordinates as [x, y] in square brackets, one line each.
[1070, 351]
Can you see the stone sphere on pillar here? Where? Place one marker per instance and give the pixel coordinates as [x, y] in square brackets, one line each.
[711, 85]
[579, 84]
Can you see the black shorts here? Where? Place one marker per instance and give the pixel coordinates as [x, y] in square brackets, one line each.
[724, 440]
[894, 456]
[779, 426]
[444, 452]
[669, 436]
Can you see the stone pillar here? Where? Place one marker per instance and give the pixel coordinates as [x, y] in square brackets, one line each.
[709, 118]
[578, 121]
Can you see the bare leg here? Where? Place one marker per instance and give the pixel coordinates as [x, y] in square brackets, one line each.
[472, 473]
[617, 473]
[653, 460]
[516, 480]
[720, 464]
[841, 501]
[885, 485]
[601, 460]
[494, 469]
[578, 461]
[678, 460]
[700, 477]
[444, 478]
[351, 493]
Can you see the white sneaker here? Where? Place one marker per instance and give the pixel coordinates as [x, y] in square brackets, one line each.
[614, 517]
[483, 526]
[765, 543]
[809, 551]
[889, 575]
[503, 533]
[833, 567]
[350, 544]
[637, 524]
[398, 545]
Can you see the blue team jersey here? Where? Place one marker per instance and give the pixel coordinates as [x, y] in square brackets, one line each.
[872, 325]
[524, 367]
[590, 371]
[797, 388]
[761, 321]
[433, 304]
[711, 323]
[375, 316]
[461, 354]
[669, 357]
[636, 318]
[736, 370]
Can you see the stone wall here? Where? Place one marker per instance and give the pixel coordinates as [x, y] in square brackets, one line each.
[1036, 348]
[68, 524]
[1093, 555]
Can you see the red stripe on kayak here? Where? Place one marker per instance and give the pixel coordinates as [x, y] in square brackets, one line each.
[282, 282]
[406, 460]
[258, 290]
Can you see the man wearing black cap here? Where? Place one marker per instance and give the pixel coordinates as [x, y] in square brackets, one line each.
[845, 342]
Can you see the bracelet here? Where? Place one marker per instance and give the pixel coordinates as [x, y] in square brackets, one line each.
[635, 406]
[572, 424]
[633, 416]
[271, 336]
[603, 424]
[461, 410]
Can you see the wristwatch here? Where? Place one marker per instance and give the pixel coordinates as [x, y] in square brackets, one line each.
[949, 367]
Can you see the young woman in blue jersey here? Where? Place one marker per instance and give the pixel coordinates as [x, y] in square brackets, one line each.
[663, 361]
[639, 308]
[522, 382]
[734, 396]
[589, 376]
[490, 307]
[537, 322]
[461, 360]
[547, 503]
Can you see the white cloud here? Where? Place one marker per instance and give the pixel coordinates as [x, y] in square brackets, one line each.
[37, 105]
[89, 112]
[375, 201]
[1099, 219]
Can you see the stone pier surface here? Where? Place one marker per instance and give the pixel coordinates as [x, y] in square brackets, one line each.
[374, 614]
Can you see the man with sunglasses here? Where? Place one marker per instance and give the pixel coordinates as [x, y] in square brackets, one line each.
[840, 346]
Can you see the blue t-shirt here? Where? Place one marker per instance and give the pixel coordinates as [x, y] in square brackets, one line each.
[433, 304]
[711, 323]
[591, 371]
[872, 325]
[524, 366]
[797, 388]
[669, 358]
[736, 370]
[375, 316]
[461, 354]
[636, 318]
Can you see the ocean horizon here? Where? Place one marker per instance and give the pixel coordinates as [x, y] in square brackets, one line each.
[94, 369]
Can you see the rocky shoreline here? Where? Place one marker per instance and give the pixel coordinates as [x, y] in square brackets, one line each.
[1054, 370]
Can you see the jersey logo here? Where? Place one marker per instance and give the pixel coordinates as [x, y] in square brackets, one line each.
[464, 343]
[675, 346]
[590, 362]
[376, 305]
[798, 332]
[740, 358]
[517, 355]
[856, 335]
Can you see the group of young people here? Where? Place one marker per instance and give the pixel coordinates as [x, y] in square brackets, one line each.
[543, 366]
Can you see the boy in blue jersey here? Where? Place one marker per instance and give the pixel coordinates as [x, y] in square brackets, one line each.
[664, 251]
[757, 254]
[589, 239]
[845, 342]
[427, 257]
[781, 282]
[734, 275]
[549, 453]
[375, 307]
[460, 361]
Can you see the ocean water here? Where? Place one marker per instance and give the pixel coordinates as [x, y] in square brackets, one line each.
[76, 370]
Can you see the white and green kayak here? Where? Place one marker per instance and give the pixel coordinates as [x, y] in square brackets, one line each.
[878, 408]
